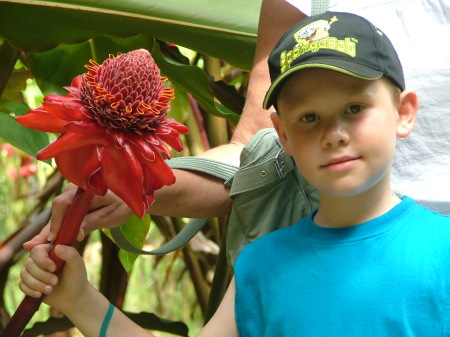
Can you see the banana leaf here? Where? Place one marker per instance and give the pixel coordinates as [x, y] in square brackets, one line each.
[59, 37]
[222, 29]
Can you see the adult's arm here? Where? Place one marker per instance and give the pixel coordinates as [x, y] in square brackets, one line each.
[198, 195]
[276, 17]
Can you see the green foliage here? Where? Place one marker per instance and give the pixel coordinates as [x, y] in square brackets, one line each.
[56, 39]
[194, 80]
[222, 29]
[135, 229]
[17, 83]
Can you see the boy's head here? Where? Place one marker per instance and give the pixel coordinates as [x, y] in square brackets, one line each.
[342, 42]
[340, 91]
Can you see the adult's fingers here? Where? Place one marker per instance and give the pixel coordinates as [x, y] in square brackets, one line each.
[60, 205]
[40, 238]
[108, 211]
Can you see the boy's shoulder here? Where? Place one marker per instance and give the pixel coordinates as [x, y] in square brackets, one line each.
[271, 245]
[430, 217]
[423, 227]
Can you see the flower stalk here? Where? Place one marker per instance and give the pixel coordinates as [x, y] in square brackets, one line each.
[66, 236]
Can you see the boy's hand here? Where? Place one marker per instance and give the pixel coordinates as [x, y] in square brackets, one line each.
[38, 277]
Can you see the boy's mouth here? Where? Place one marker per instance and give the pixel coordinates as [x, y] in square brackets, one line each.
[340, 162]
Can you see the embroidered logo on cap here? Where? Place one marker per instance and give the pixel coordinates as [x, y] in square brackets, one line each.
[314, 37]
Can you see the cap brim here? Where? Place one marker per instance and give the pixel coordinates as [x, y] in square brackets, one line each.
[342, 66]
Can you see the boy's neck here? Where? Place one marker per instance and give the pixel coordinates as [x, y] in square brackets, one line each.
[343, 212]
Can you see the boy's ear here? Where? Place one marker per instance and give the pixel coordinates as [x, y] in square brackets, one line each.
[279, 128]
[407, 112]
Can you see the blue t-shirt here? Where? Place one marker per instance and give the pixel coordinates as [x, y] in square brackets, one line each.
[387, 277]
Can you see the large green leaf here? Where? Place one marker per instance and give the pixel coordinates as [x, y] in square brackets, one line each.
[135, 229]
[192, 79]
[223, 29]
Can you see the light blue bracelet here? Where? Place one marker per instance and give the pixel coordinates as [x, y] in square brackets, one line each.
[106, 321]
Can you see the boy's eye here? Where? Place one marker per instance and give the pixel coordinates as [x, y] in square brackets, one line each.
[309, 118]
[354, 108]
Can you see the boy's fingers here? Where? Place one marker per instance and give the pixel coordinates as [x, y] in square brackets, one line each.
[71, 256]
[35, 280]
[33, 286]
[39, 256]
[32, 270]
[29, 291]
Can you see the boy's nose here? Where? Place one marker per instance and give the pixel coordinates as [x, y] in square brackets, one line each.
[335, 134]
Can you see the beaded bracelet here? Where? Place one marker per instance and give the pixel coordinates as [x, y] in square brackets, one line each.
[106, 321]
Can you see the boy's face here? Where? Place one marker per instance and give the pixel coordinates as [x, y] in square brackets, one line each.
[341, 130]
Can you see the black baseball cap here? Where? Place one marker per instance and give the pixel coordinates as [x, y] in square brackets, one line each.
[343, 42]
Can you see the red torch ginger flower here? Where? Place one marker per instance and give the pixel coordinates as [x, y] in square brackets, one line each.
[113, 129]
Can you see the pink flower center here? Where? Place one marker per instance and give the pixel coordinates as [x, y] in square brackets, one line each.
[126, 92]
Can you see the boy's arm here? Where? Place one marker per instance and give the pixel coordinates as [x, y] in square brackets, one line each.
[223, 323]
[86, 307]
[89, 319]
[71, 293]
[89, 315]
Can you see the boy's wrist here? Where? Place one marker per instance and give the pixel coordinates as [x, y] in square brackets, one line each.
[89, 311]
[74, 308]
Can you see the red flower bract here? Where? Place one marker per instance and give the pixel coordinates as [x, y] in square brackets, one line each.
[113, 129]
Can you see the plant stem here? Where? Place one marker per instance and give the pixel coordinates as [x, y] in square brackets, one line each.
[67, 235]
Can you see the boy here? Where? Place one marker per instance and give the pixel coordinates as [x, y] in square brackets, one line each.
[364, 263]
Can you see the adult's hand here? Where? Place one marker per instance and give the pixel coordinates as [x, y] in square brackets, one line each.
[194, 195]
[105, 212]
